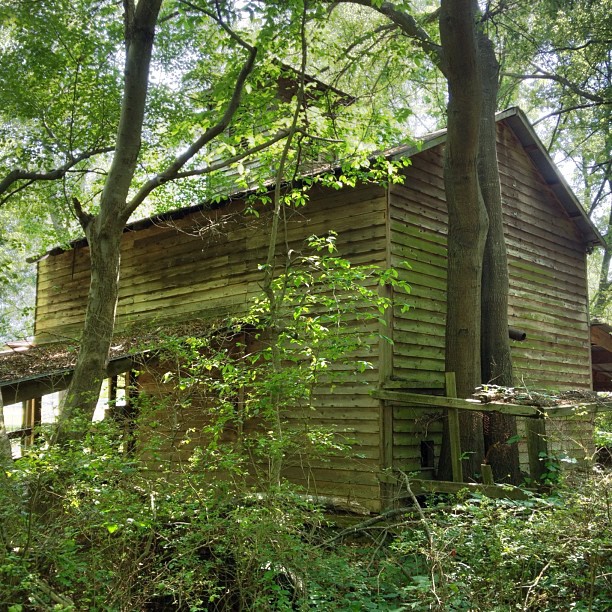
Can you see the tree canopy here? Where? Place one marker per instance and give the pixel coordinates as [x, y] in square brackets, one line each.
[121, 110]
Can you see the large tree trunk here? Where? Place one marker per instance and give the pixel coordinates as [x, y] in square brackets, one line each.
[90, 370]
[467, 220]
[495, 356]
[104, 231]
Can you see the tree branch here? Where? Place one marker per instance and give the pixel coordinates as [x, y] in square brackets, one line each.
[567, 109]
[228, 161]
[217, 17]
[540, 73]
[52, 175]
[171, 172]
[84, 218]
[409, 26]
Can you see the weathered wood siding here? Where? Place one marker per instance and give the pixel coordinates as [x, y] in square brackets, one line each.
[548, 279]
[206, 265]
[548, 292]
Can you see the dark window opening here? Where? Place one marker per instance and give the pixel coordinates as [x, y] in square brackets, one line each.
[427, 454]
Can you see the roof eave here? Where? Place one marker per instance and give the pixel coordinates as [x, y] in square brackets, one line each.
[522, 128]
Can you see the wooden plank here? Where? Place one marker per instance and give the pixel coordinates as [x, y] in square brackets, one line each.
[536, 444]
[385, 369]
[408, 384]
[454, 430]
[486, 472]
[58, 381]
[421, 487]
[601, 338]
[451, 402]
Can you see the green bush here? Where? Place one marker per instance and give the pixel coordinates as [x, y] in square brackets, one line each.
[550, 553]
[93, 527]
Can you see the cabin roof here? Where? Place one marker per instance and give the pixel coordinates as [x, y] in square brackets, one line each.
[514, 117]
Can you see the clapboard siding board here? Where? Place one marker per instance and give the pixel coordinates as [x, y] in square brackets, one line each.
[199, 265]
[548, 292]
[173, 269]
[354, 420]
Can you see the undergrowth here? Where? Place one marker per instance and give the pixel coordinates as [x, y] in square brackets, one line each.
[115, 540]
[113, 524]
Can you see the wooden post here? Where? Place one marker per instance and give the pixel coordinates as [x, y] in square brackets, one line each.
[453, 429]
[487, 474]
[536, 445]
[32, 417]
[385, 371]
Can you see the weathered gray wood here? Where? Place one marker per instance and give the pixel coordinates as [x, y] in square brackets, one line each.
[444, 486]
[452, 402]
[24, 390]
[454, 429]
[537, 447]
[487, 474]
[440, 401]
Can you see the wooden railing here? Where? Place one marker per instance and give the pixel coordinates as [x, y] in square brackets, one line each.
[535, 415]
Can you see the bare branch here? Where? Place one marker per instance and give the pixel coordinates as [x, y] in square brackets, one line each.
[599, 196]
[52, 175]
[540, 73]
[567, 109]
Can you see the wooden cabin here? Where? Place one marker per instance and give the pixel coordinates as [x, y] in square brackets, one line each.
[202, 263]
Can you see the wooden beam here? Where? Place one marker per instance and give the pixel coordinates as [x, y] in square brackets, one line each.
[385, 370]
[601, 338]
[536, 445]
[420, 487]
[454, 431]
[486, 471]
[24, 390]
[440, 401]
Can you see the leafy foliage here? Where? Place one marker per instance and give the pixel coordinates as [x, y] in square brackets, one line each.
[545, 554]
[103, 528]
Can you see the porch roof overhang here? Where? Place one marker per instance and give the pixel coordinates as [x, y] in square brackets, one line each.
[29, 371]
[33, 370]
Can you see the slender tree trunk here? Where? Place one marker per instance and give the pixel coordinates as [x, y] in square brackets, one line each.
[496, 358]
[90, 370]
[105, 230]
[603, 287]
[467, 220]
